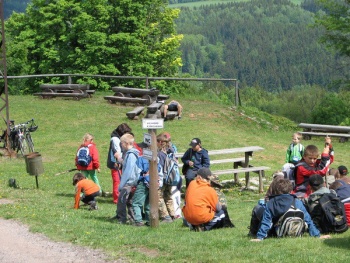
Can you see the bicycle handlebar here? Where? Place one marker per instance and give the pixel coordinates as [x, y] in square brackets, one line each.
[22, 125]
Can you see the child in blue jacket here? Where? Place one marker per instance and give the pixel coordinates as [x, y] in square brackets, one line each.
[280, 201]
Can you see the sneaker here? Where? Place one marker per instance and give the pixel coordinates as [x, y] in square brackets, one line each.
[167, 219]
[139, 224]
[93, 205]
[179, 117]
[198, 228]
[147, 224]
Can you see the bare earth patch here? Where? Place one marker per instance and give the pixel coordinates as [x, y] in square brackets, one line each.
[19, 245]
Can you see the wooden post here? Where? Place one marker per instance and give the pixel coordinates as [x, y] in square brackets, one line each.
[153, 185]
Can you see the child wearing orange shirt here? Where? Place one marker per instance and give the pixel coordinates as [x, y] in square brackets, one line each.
[89, 189]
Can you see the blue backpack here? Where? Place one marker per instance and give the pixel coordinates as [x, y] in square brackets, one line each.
[83, 156]
[171, 170]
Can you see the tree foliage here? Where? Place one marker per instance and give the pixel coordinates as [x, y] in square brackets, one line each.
[265, 43]
[108, 37]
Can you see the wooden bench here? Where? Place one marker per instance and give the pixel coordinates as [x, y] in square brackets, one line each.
[76, 91]
[162, 97]
[135, 112]
[309, 130]
[114, 99]
[242, 162]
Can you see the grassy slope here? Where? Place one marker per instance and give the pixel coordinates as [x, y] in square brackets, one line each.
[62, 124]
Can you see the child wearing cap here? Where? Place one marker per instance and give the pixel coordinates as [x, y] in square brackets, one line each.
[342, 174]
[194, 159]
[202, 210]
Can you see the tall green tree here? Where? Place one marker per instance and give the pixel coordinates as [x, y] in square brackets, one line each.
[336, 21]
[109, 37]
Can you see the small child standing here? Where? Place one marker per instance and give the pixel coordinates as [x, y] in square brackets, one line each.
[90, 169]
[129, 178]
[89, 189]
[295, 150]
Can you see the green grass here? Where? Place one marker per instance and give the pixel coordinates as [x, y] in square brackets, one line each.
[62, 124]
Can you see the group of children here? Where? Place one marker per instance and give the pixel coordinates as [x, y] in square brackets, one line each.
[307, 194]
[130, 177]
[131, 182]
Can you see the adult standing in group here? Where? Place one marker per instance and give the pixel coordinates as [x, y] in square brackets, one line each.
[114, 158]
[194, 159]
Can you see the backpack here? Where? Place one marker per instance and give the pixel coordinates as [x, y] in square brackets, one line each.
[291, 223]
[290, 172]
[171, 170]
[83, 156]
[334, 217]
[295, 154]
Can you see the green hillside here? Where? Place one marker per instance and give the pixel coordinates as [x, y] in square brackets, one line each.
[62, 124]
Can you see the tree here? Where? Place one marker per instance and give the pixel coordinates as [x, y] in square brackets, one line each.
[109, 37]
[336, 22]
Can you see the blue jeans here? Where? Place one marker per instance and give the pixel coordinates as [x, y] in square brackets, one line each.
[125, 203]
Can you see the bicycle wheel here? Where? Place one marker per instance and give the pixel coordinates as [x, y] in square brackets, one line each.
[23, 146]
[30, 142]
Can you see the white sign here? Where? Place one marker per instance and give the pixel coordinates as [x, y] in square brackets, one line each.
[152, 123]
[147, 154]
[147, 138]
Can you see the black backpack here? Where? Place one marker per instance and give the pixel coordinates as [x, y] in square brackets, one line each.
[291, 223]
[333, 218]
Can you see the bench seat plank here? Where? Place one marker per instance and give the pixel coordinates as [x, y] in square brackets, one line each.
[50, 94]
[346, 135]
[135, 112]
[125, 99]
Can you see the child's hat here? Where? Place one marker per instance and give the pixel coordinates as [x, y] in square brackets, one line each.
[343, 170]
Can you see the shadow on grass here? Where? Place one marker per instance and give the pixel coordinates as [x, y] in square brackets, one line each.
[338, 242]
[100, 199]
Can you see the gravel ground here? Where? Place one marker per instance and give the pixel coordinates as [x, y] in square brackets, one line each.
[19, 245]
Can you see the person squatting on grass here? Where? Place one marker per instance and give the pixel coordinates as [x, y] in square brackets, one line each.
[202, 210]
[310, 164]
[90, 170]
[279, 202]
[114, 158]
[86, 191]
[129, 178]
[193, 159]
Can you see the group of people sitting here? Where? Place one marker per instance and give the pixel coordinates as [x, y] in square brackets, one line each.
[323, 208]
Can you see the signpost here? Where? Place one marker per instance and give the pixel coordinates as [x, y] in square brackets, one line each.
[151, 154]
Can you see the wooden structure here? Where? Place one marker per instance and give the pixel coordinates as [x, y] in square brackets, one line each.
[309, 130]
[242, 162]
[155, 109]
[133, 95]
[75, 91]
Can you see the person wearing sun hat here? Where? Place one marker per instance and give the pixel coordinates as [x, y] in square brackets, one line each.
[202, 210]
[193, 159]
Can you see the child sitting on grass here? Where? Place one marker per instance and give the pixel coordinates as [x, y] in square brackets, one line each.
[280, 201]
[89, 189]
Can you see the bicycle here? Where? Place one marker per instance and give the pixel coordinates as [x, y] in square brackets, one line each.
[20, 138]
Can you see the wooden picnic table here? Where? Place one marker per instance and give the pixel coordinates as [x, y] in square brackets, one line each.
[75, 91]
[244, 162]
[343, 132]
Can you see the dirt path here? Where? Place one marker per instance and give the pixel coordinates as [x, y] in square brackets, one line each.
[18, 245]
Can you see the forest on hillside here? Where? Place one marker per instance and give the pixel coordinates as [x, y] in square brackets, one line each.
[267, 43]
[270, 44]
